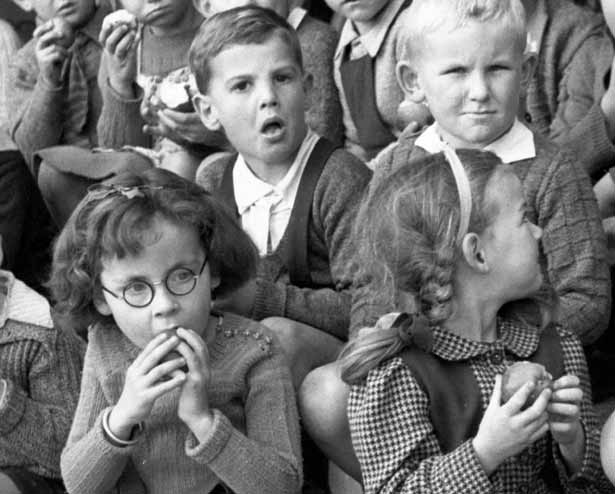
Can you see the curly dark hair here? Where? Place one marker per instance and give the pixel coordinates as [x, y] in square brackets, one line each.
[110, 221]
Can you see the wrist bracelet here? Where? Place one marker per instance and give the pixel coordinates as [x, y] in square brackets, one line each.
[116, 441]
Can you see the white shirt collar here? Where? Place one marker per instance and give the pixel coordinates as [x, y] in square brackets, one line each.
[517, 144]
[249, 188]
[25, 305]
[296, 16]
[373, 39]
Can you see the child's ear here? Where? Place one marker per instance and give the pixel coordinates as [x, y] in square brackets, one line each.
[408, 80]
[101, 305]
[308, 87]
[474, 252]
[527, 69]
[207, 111]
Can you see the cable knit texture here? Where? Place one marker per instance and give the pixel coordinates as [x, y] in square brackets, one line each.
[254, 441]
[336, 200]
[568, 82]
[573, 254]
[42, 367]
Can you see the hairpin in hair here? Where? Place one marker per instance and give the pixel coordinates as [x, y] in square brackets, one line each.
[414, 330]
[101, 191]
[463, 190]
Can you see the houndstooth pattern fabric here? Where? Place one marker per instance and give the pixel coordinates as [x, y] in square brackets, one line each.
[398, 450]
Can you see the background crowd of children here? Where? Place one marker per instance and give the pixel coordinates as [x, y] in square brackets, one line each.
[277, 246]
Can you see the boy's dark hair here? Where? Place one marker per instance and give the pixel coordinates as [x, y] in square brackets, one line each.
[110, 222]
[238, 26]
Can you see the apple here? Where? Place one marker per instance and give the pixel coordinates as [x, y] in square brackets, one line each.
[519, 373]
[173, 354]
[117, 18]
[607, 448]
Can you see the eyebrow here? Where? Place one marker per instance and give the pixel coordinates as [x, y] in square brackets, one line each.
[137, 277]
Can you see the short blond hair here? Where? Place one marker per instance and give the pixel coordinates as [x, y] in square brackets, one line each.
[423, 17]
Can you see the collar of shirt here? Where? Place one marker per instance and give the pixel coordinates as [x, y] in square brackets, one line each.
[26, 305]
[513, 337]
[296, 16]
[373, 39]
[517, 144]
[536, 26]
[249, 188]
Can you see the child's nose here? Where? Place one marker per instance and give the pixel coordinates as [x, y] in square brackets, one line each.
[164, 302]
[268, 95]
[478, 88]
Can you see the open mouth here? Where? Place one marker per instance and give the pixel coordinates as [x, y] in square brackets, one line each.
[272, 127]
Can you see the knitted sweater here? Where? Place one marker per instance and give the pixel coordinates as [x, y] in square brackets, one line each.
[42, 368]
[573, 247]
[254, 442]
[37, 111]
[318, 41]
[335, 203]
[564, 94]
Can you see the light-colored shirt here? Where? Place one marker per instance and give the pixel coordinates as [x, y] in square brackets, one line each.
[515, 145]
[265, 208]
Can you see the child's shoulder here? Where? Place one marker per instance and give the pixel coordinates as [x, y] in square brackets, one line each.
[345, 164]
[315, 30]
[240, 337]
[566, 16]
[211, 170]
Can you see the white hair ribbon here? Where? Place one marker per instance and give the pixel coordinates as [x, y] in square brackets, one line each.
[463, 189]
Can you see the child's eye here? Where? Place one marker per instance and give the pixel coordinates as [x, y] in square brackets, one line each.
[136, 288]
[240, 86]
[454, 71]
[283, 78]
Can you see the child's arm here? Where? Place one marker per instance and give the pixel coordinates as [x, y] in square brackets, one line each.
[573, 243]
[398, 450]
[120, 122]
[37, 94]
[40, 397]
[576, 454]
[266, 458]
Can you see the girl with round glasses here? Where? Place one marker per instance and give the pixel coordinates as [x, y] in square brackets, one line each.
[173, 395]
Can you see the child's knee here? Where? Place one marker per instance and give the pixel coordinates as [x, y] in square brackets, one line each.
[322, 399]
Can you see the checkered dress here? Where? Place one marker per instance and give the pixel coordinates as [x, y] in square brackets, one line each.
[398, 450]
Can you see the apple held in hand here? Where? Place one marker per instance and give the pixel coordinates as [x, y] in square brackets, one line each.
[519, 373]
[173, 354]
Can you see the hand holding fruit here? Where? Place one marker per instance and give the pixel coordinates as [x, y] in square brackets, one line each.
[53, 39]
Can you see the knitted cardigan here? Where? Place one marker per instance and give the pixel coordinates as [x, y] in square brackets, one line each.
[42, 368]
[336, 199]
[36, 111]
[318, 41]
[254, 442]
[563, 100]
[560, 201]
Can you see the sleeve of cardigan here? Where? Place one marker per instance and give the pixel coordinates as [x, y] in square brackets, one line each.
[120, 122]
[90, 464]
[267, 458]
[35, 109]
[591, 477]
[318, 44]
[574, 244]
[579, 122]
[393, 438]
[35, 421]
[334, 209]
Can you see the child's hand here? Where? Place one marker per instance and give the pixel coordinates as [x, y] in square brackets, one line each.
[193, 408]
[50, 54]
[505, 430]
[564, 420]
[145, 384]
[177, 126]
[120, 42]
